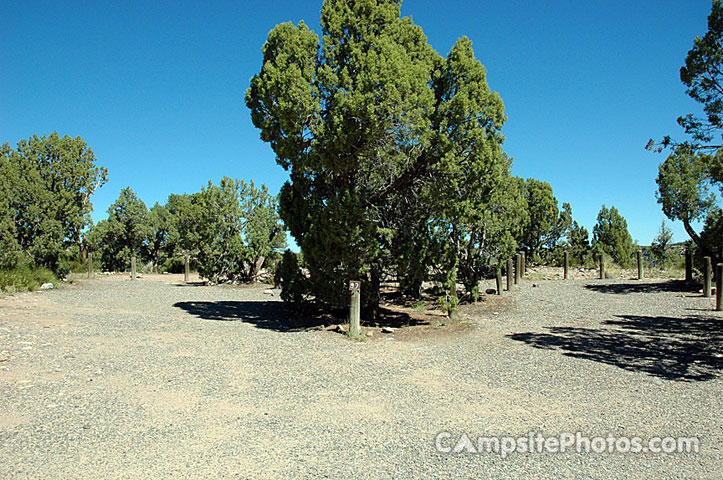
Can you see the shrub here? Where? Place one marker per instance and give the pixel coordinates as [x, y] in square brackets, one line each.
[291, 279]
[24, 277]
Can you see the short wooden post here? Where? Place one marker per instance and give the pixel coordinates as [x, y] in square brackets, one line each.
[523, 264]
[133, 268]
[509, 274]
[185, 269]
[565, 265]
[90, 265]
[640, 265]
[688, 266]
[499, 278]
[707, 272]
[719, 287]
[602, 267]
[518, 261]
[355, 309]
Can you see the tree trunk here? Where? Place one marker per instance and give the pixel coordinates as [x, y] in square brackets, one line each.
[373, 296]
[705, 250]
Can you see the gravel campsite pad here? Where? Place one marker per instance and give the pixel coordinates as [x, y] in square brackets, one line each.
[115, 378]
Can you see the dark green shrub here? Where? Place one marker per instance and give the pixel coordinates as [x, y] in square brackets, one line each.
[24, 277]
[290, 277]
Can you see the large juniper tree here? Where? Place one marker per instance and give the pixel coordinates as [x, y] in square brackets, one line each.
[46, 184]
[387, 143]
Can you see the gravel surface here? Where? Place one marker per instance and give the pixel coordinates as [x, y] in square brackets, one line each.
[153, 379]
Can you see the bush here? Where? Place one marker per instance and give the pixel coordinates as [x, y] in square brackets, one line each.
[24, 277]
[173, 265]
[291, 279]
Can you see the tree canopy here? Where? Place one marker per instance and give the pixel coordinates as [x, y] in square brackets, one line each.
[688, 178]
[610, 236]
[45, 189]
[380, 133]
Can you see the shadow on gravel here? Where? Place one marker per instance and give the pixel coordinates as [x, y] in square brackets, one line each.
[190, 284]
[268, 315]
[684, 349]
[642, 287]
[274, 316]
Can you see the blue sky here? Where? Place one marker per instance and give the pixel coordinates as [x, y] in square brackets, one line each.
[156, 88]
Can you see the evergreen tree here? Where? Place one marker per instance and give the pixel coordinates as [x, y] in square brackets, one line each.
[46, 187]
[126, 232]
[611, 236]
[375, 127]
[660, 247]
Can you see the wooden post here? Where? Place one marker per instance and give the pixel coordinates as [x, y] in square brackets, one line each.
[640, 265]
[185, 269]
[509, 274]
[355, 309]
[133, 268]
[518, 261]
[90, 265]
[523, 264]
[499, 278]
[565, 265]
[688, 266]
[719, 287]
[706, 276]
[602, 266]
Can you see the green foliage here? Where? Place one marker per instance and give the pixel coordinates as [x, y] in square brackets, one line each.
[684, 190]
[124, 234]
[712, 235]
[579, 244]
[702, 75]
[291, 279]
[542, 226]
[45, 190]
[661, 246]
[611, 236]
[230, 231]
[232, 228]
[394, 152]
[158, 246]
[25, 277]
[491, 235]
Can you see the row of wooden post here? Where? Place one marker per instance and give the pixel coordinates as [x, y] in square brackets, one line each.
[707, 279]
[518, 266]
[186, 271]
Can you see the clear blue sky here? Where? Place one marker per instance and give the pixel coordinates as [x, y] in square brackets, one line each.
[156, 88]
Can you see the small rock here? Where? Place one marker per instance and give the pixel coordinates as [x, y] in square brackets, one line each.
[370, 333]
[47, 286]
[534, 285]
[490, 291]
[388, 330]
[268, 291]
[139, 276]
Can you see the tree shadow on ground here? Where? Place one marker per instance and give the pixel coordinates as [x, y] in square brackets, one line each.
[684, 349]
[680, 286]
[268, 315]
[273, 315]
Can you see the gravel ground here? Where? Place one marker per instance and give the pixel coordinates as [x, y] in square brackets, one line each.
[153, 379]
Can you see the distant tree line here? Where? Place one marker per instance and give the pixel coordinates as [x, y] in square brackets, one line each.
[230, 231]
